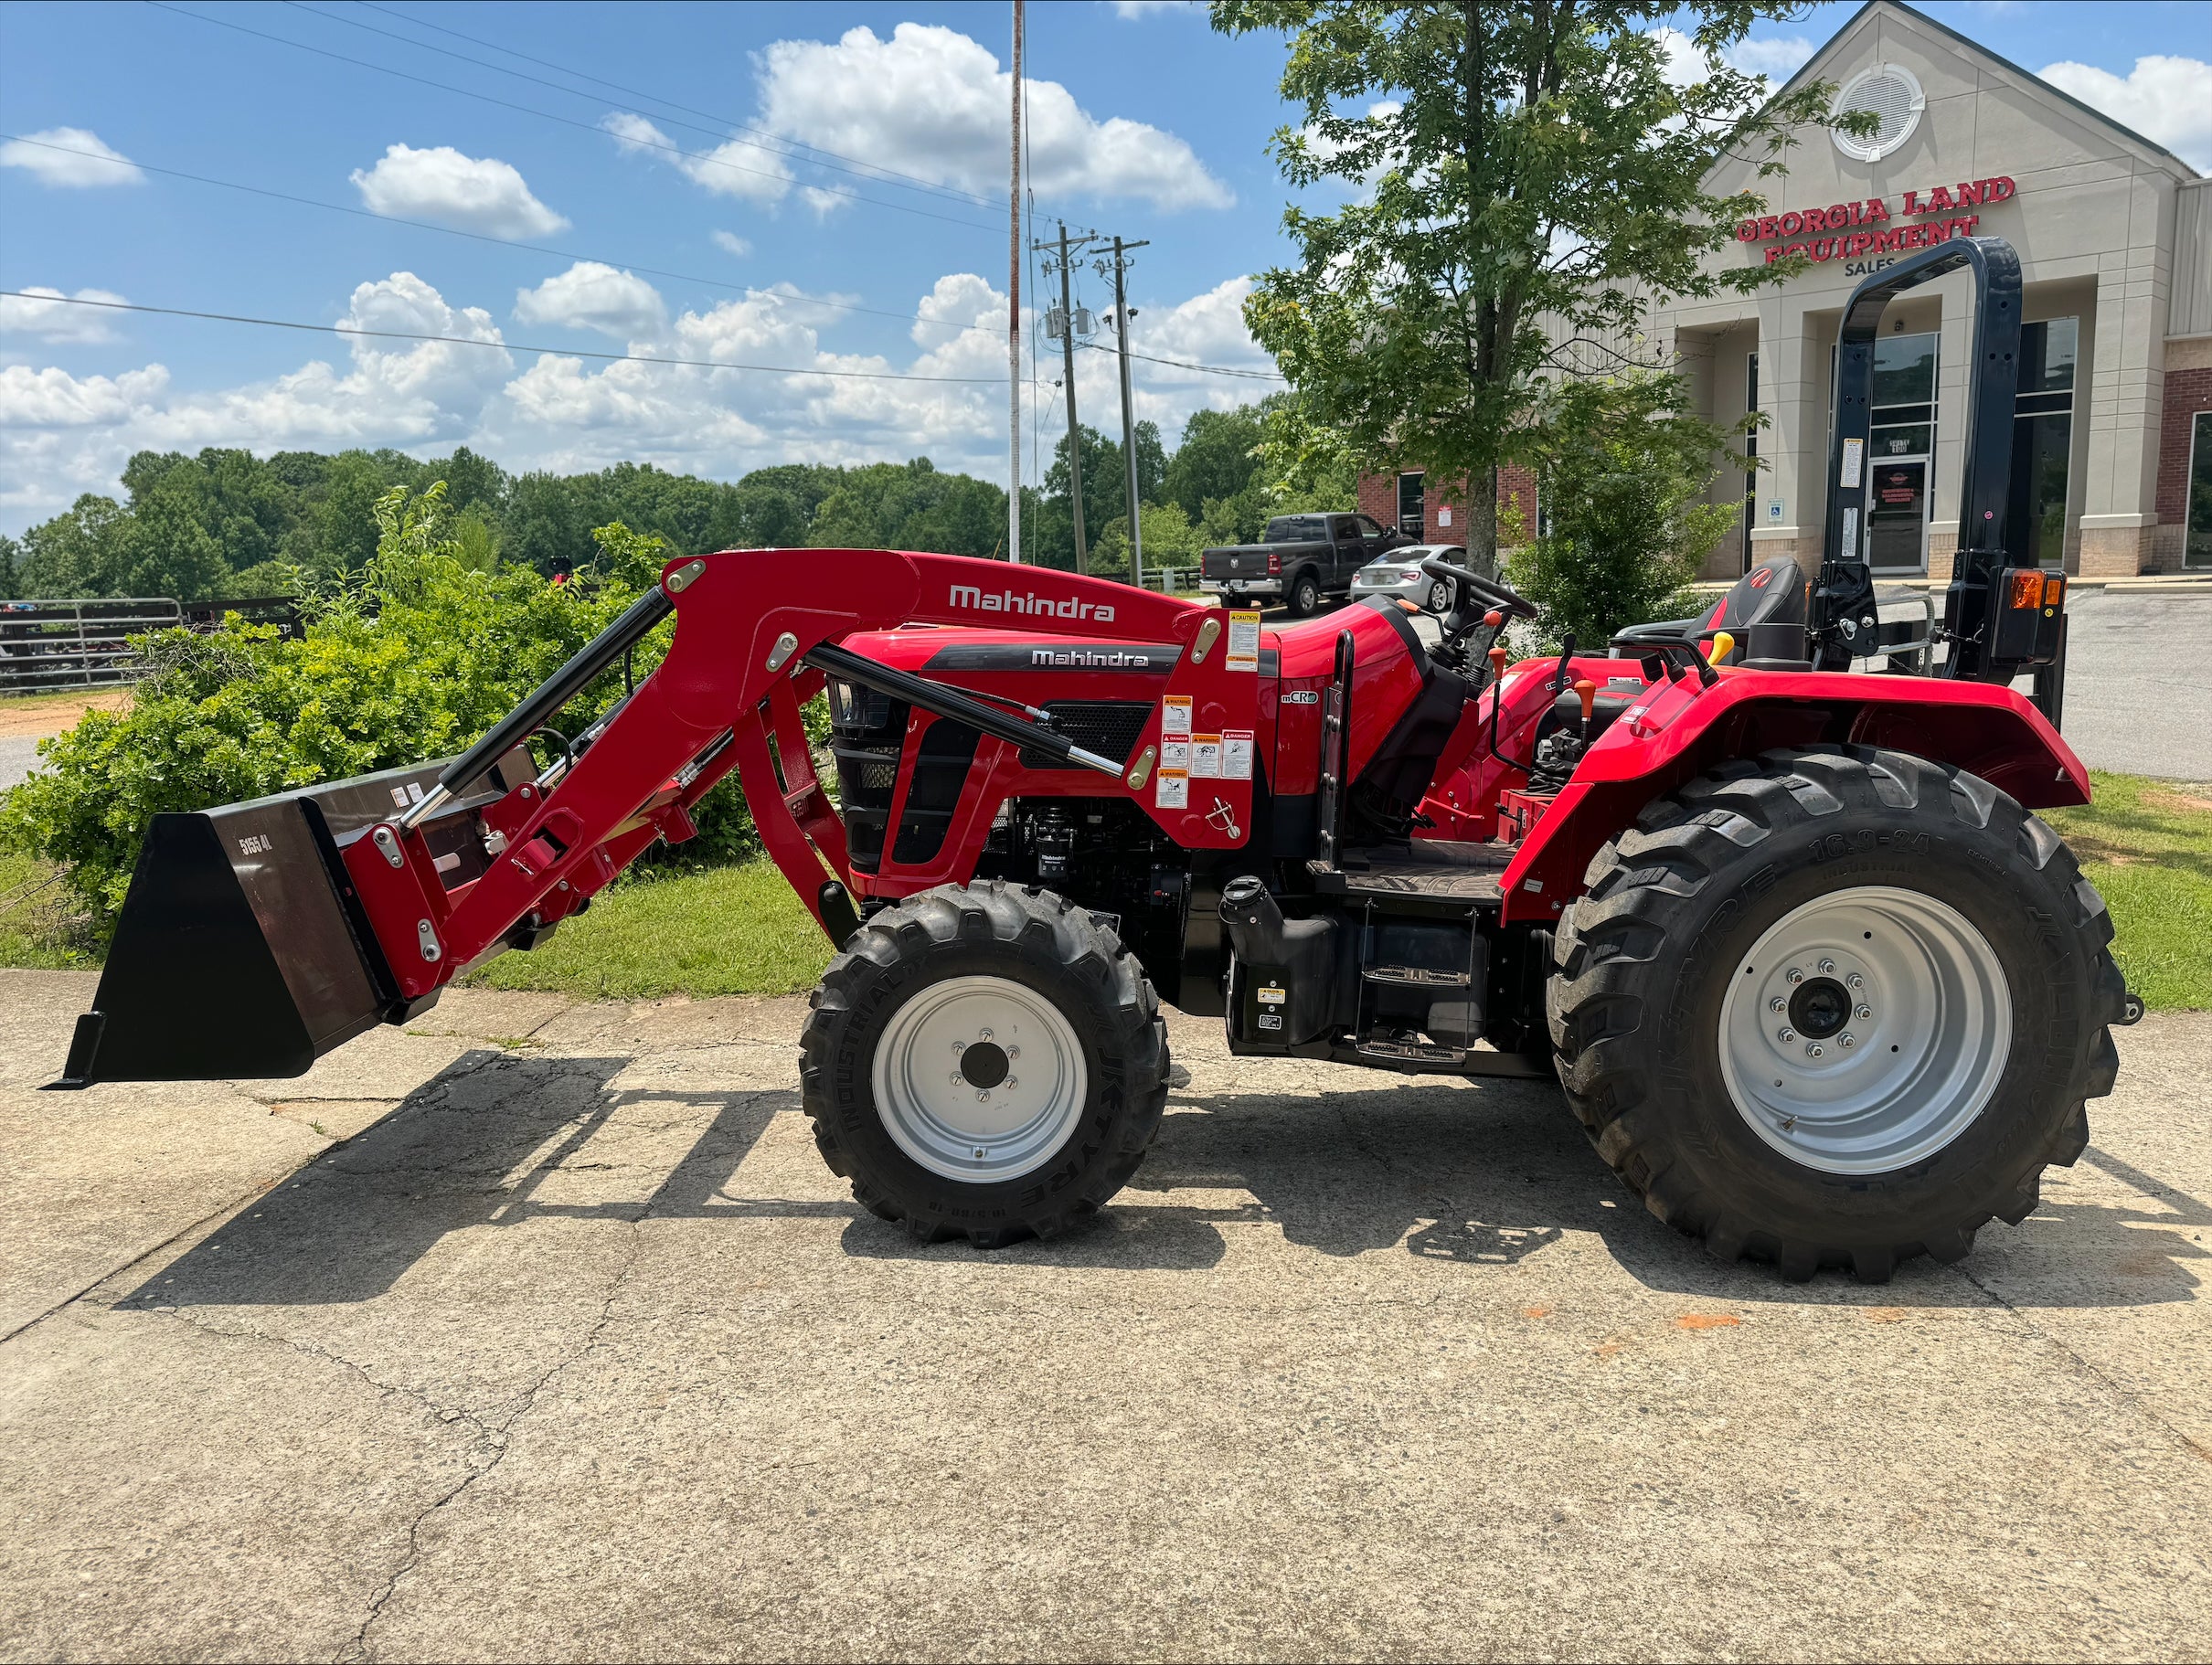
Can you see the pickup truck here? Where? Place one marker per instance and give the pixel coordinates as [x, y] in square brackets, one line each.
[1302, 558]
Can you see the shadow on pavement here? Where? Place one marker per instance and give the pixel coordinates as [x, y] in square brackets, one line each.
[1488, 1176]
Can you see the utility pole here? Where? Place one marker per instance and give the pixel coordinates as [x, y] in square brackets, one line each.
[1067, 338]
[1122, 315]
[1013, 314]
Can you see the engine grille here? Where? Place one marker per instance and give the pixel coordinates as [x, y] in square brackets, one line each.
[1107, 727]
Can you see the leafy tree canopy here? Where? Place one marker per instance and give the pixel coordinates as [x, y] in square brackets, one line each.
[1527, 178]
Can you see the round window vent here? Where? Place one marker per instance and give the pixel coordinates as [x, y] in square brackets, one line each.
[1894, 96]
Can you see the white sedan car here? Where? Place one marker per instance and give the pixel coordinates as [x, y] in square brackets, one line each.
[1399, 574]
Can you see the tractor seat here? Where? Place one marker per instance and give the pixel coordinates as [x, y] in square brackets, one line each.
[1765, 612]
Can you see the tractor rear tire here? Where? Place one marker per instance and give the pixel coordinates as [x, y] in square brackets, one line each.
[912, 1064]
[1982, 986]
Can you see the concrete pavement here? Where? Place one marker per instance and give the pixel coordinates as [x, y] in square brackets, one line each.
[540, 1330]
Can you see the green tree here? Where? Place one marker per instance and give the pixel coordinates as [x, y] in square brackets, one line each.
[1525, 172]
[891, 505]
[1622, 468]
[1219, 458]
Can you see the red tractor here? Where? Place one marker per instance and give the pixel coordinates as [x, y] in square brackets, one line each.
[1820, 986]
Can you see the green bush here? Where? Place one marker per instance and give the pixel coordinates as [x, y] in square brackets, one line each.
[413, 659]
[1622, 473]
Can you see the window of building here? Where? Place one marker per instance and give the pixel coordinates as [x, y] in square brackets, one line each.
[2043, 440]
[1412, 506]
[2197, 550]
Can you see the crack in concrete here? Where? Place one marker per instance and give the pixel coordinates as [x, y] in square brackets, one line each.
[2127, 1395]
[500, 1440]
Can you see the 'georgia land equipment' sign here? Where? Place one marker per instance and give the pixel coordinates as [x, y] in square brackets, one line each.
[1854, 228]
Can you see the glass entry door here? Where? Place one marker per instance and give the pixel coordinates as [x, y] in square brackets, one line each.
[1897, 513]
[1900, 452]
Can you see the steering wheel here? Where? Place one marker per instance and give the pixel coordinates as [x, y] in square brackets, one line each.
[1495, 592]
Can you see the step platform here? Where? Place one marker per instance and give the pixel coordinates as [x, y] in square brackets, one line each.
[1434, 868]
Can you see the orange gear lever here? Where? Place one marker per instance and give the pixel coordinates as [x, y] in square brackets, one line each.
[1497, 663]
[1587, 692]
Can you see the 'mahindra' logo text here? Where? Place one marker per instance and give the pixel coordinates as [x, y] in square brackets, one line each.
[1036, 606]
[1092, 659]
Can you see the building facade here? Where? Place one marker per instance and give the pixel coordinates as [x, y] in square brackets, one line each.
[2112, 428]
[2114, 234]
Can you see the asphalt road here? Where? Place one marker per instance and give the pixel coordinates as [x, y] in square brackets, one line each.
[572, 1348]
[2139, 682]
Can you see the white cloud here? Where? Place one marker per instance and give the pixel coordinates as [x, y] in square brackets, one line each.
[1777, 59]
[2166, 100]
[1151, 8]
[62, 434]
[931, 102]
[70, 156]
[730, 242]
[590, 296]
[740, 168]
[53, 319]
[1684, 64]
[471, 192]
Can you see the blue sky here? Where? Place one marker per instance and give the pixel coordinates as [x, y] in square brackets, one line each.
[817, 187]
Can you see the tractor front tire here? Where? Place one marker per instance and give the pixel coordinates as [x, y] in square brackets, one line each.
[1835, 1007]
[984, 1061]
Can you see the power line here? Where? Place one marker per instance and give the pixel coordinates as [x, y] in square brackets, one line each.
[1260, 376]
[704, 158]
[481, 237]
[510, 346]
[861, 171]
[796, 144]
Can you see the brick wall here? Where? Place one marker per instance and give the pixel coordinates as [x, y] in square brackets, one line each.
[2187, 393]
[1444, 508]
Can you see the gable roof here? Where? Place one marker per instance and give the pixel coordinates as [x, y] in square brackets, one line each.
[1974, 49]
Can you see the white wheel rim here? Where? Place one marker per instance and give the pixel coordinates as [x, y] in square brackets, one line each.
[1923, 1036]
[979, 1079]
[1440, 597]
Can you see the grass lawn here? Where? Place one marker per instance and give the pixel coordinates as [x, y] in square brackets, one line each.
[2145, 844]
[729, 931]
[2147, 847]
[35, 916]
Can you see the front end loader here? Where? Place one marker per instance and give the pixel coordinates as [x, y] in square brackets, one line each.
[1782, 923]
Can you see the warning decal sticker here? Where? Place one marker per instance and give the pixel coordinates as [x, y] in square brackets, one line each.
[1237, 754]
[1855, 456]
[1172, 789]
[1206, 756]
[1174, 716]
[1243, 641]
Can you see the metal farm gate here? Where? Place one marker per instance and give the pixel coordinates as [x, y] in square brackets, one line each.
[51, 645]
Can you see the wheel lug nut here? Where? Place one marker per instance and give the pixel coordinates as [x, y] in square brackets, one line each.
[1827, 965]
[1796, 975]
[1012, 1083]
[1863, 1014]
[1778, 1004]
[959, 1079]
[1813, 1049]
[1846, 1039]
[982, 1034]
[1855, 980]
[959, 1047]
[979, 1153]
[1014, 1051]
[983, 1096]
[1785, 1035]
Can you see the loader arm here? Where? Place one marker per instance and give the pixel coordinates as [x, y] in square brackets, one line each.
[756, 634]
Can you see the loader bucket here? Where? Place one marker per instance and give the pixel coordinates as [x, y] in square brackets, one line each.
[241, 953]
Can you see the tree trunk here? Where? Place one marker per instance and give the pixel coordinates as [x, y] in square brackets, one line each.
[1482, 523]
